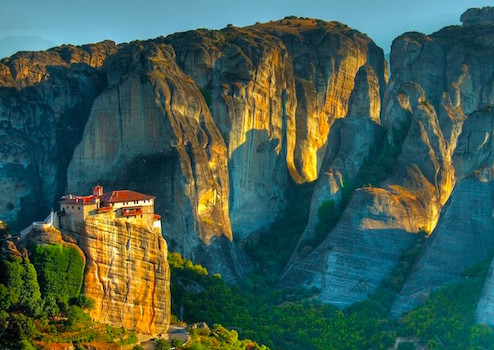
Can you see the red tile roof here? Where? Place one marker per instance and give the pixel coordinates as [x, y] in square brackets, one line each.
[123, 196]
[77, 200]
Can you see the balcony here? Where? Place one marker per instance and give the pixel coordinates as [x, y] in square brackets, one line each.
[131, 212]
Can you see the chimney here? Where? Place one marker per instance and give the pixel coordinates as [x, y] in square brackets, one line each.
[97, 191]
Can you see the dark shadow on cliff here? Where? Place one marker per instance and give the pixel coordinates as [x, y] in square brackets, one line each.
[258, 178]
[50, 132]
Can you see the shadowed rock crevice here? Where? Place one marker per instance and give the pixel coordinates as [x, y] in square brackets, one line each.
[45, 98]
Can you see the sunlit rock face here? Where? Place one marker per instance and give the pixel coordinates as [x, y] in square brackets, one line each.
[151, 130]
[126, 269]
[127, 274]
[45, 99]
[465, 232]
[275, 90]
[437, 83]
[213, 123]
[352, 142]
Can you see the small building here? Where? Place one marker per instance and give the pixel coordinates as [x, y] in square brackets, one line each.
[122, 203]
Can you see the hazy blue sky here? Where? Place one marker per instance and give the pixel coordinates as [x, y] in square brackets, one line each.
[80, 22]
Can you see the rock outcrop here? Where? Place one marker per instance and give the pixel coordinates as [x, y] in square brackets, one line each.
[126, 271]
[352, 143]
[452, 68]
[275, 90]
[127, 274]
[437, 83]
[45, 99]
[214, 123]
[126, 268]
[478, 16]
[465, 233]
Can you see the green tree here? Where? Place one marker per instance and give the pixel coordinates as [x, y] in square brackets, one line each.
[20, 279]
[5, 297]
[60, 270]
[30, 296]
[50, 306]
[176, 342]
[161, 344]
[21, 327]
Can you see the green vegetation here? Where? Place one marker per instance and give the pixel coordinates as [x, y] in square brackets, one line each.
[292, 319]
[54, 312]
[61, 270]
[328, 216]
[282, 235]
[220, 338]
[446, 320]
[19, 290]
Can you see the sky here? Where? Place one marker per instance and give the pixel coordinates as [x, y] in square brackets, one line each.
[39, 24]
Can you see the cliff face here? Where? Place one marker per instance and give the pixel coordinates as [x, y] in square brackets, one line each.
[437, 83]
[45, 99]
[214, 123]
[127, 273]
[275, 90]
[456, 56]
[151, 130]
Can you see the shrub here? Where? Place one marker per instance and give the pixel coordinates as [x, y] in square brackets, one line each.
[176, 342]
[60, 270]
[161, 344]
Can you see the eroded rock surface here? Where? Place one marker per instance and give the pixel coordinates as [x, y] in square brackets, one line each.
[213, 123]
[275, 90]
[437, 83]
[127, 274]
[45, 99]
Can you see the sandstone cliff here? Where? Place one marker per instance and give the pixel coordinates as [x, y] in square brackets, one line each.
[45, 98]
[127, 274]
[276, 88]
[126, 269]
[214, 123]
[437, 83]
